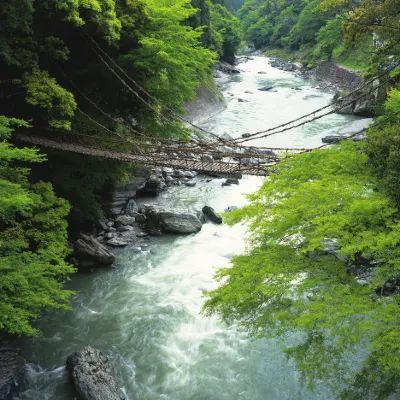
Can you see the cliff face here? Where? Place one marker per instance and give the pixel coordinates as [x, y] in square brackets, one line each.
[340, 77]
[205, 105]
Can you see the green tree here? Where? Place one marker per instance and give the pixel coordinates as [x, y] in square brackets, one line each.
[322, 260]
[33, 239]
[227, 27]
[328, 37]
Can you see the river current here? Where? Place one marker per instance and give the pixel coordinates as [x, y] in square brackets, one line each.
[144, 312]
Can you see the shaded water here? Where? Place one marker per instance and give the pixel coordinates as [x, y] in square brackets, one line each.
[144, 312]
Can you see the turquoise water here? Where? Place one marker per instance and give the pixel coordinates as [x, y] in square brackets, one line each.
[144, 311]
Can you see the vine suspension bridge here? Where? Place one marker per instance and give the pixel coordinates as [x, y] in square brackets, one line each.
[218, 155]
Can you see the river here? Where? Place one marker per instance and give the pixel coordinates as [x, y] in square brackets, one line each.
[144, 312]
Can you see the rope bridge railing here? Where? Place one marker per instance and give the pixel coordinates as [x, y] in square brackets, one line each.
[179, 160]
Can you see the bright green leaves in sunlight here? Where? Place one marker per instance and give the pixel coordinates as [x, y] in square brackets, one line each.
[103, 13]
[33, 239]
[323, 242]
[171, 52]
[44, 91]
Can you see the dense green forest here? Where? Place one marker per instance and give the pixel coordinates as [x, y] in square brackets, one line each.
[55, 81]
[323, 257]
[314, 30]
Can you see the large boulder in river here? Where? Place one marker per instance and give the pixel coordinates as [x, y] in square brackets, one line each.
[92, 375]
[210, 213]
[174, 221]
[177, 222]
[88, 248]
[12, 369]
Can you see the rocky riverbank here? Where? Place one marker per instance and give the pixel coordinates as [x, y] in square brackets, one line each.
[340, 81]
[135, 216]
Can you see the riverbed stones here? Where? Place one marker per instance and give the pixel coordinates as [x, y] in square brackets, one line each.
[12, 369]
[230, 208]
[153, 186]
[124, 220]
[92, 375]
[210, 213]
[88, 248]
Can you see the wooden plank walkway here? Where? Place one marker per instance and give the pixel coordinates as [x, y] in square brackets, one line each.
[155, 159]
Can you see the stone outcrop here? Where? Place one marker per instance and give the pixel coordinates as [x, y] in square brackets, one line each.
[358, 103]
[173, 221]
[210, 213]
[206, 104]
[92, 375]
[230, 181]
[12, 369]
[329, 74]
[124, 192]
[88, 248]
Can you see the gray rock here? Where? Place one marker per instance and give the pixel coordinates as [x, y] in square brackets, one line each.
[87, 247]
[117, 242]
[179, 223]
[227, 68]
[230, 181]
[210, 213]
[191, 183]
[12, 369]
[110, 235]
[189, 174]
[153, 186]
[206, 158]
[125, 228]
[123, 220]
[332, 139]
[230, 208]
[266, 88]
[177, 173]
[103, 224]
[131, 208]
[140, 218]
[240, 100]
[174, 221]
[92, 375]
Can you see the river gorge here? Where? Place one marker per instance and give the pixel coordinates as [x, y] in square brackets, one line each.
[144, 311]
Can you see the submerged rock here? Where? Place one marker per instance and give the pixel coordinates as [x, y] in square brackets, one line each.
[230, 181]
[210, 213]
[92, 375]
[12, 369]
[266, 88]
[89, 248]
[230, 208]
